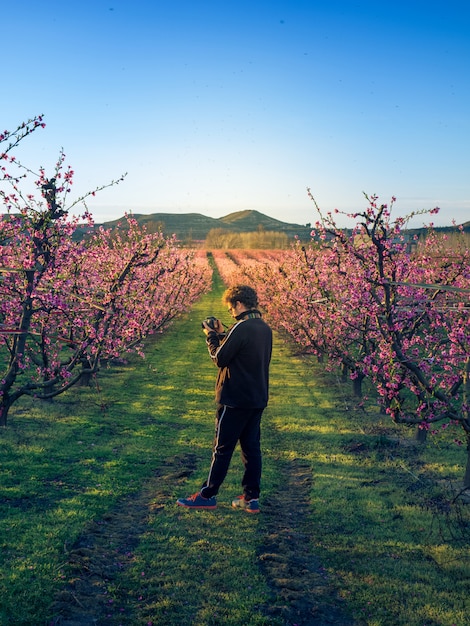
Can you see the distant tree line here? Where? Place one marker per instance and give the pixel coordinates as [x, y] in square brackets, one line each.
[260, 239]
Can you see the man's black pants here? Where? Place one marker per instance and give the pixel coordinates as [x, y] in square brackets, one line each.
[232, 425]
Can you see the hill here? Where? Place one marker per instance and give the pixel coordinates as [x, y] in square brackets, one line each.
[439, 229]
[195, 226]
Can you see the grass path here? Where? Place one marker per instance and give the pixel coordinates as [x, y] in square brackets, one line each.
[221, 567]
[353, 529]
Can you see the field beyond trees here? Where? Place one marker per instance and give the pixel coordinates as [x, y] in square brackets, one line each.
[360, 524]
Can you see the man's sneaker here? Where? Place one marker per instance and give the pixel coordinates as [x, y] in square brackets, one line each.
[196, 501]
[250, 506]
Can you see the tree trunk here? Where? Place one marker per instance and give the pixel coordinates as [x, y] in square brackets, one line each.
[466, 478]
[86, 378]
[421, 435]
[357, 385]
[4, 409]
[466, 387]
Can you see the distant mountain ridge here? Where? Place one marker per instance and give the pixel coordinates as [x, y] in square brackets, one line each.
[195, 226]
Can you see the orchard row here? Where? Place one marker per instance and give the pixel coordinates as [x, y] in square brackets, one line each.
[379, 306]
[72, 297]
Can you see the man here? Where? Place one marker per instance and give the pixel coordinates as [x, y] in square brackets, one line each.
[242, 355]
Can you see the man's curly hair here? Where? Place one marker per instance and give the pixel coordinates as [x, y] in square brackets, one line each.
[241, 293]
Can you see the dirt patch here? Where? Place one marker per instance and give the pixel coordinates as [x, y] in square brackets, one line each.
[302, 593]
[106, 548]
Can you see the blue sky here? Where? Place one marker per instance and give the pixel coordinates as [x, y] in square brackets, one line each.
[214, 107]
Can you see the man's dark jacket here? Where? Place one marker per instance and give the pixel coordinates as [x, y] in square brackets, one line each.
[242, 356]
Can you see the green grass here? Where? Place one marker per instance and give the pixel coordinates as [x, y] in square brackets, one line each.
[88, 487]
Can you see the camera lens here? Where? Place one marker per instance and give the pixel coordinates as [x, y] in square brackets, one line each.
[210, 321]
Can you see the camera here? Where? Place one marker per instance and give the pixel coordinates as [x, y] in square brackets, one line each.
[211, 322]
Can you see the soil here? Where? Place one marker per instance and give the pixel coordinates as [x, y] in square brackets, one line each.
[302, 594]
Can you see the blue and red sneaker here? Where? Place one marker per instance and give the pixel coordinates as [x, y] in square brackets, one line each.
[196, 501]
[250, 506]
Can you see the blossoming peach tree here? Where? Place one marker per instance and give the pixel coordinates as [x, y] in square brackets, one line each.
[397, 315]
[69, 302]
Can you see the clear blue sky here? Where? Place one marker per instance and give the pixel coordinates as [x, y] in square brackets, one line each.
[219, 106]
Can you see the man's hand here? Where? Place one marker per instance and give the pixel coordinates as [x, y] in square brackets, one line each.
[218, 328]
